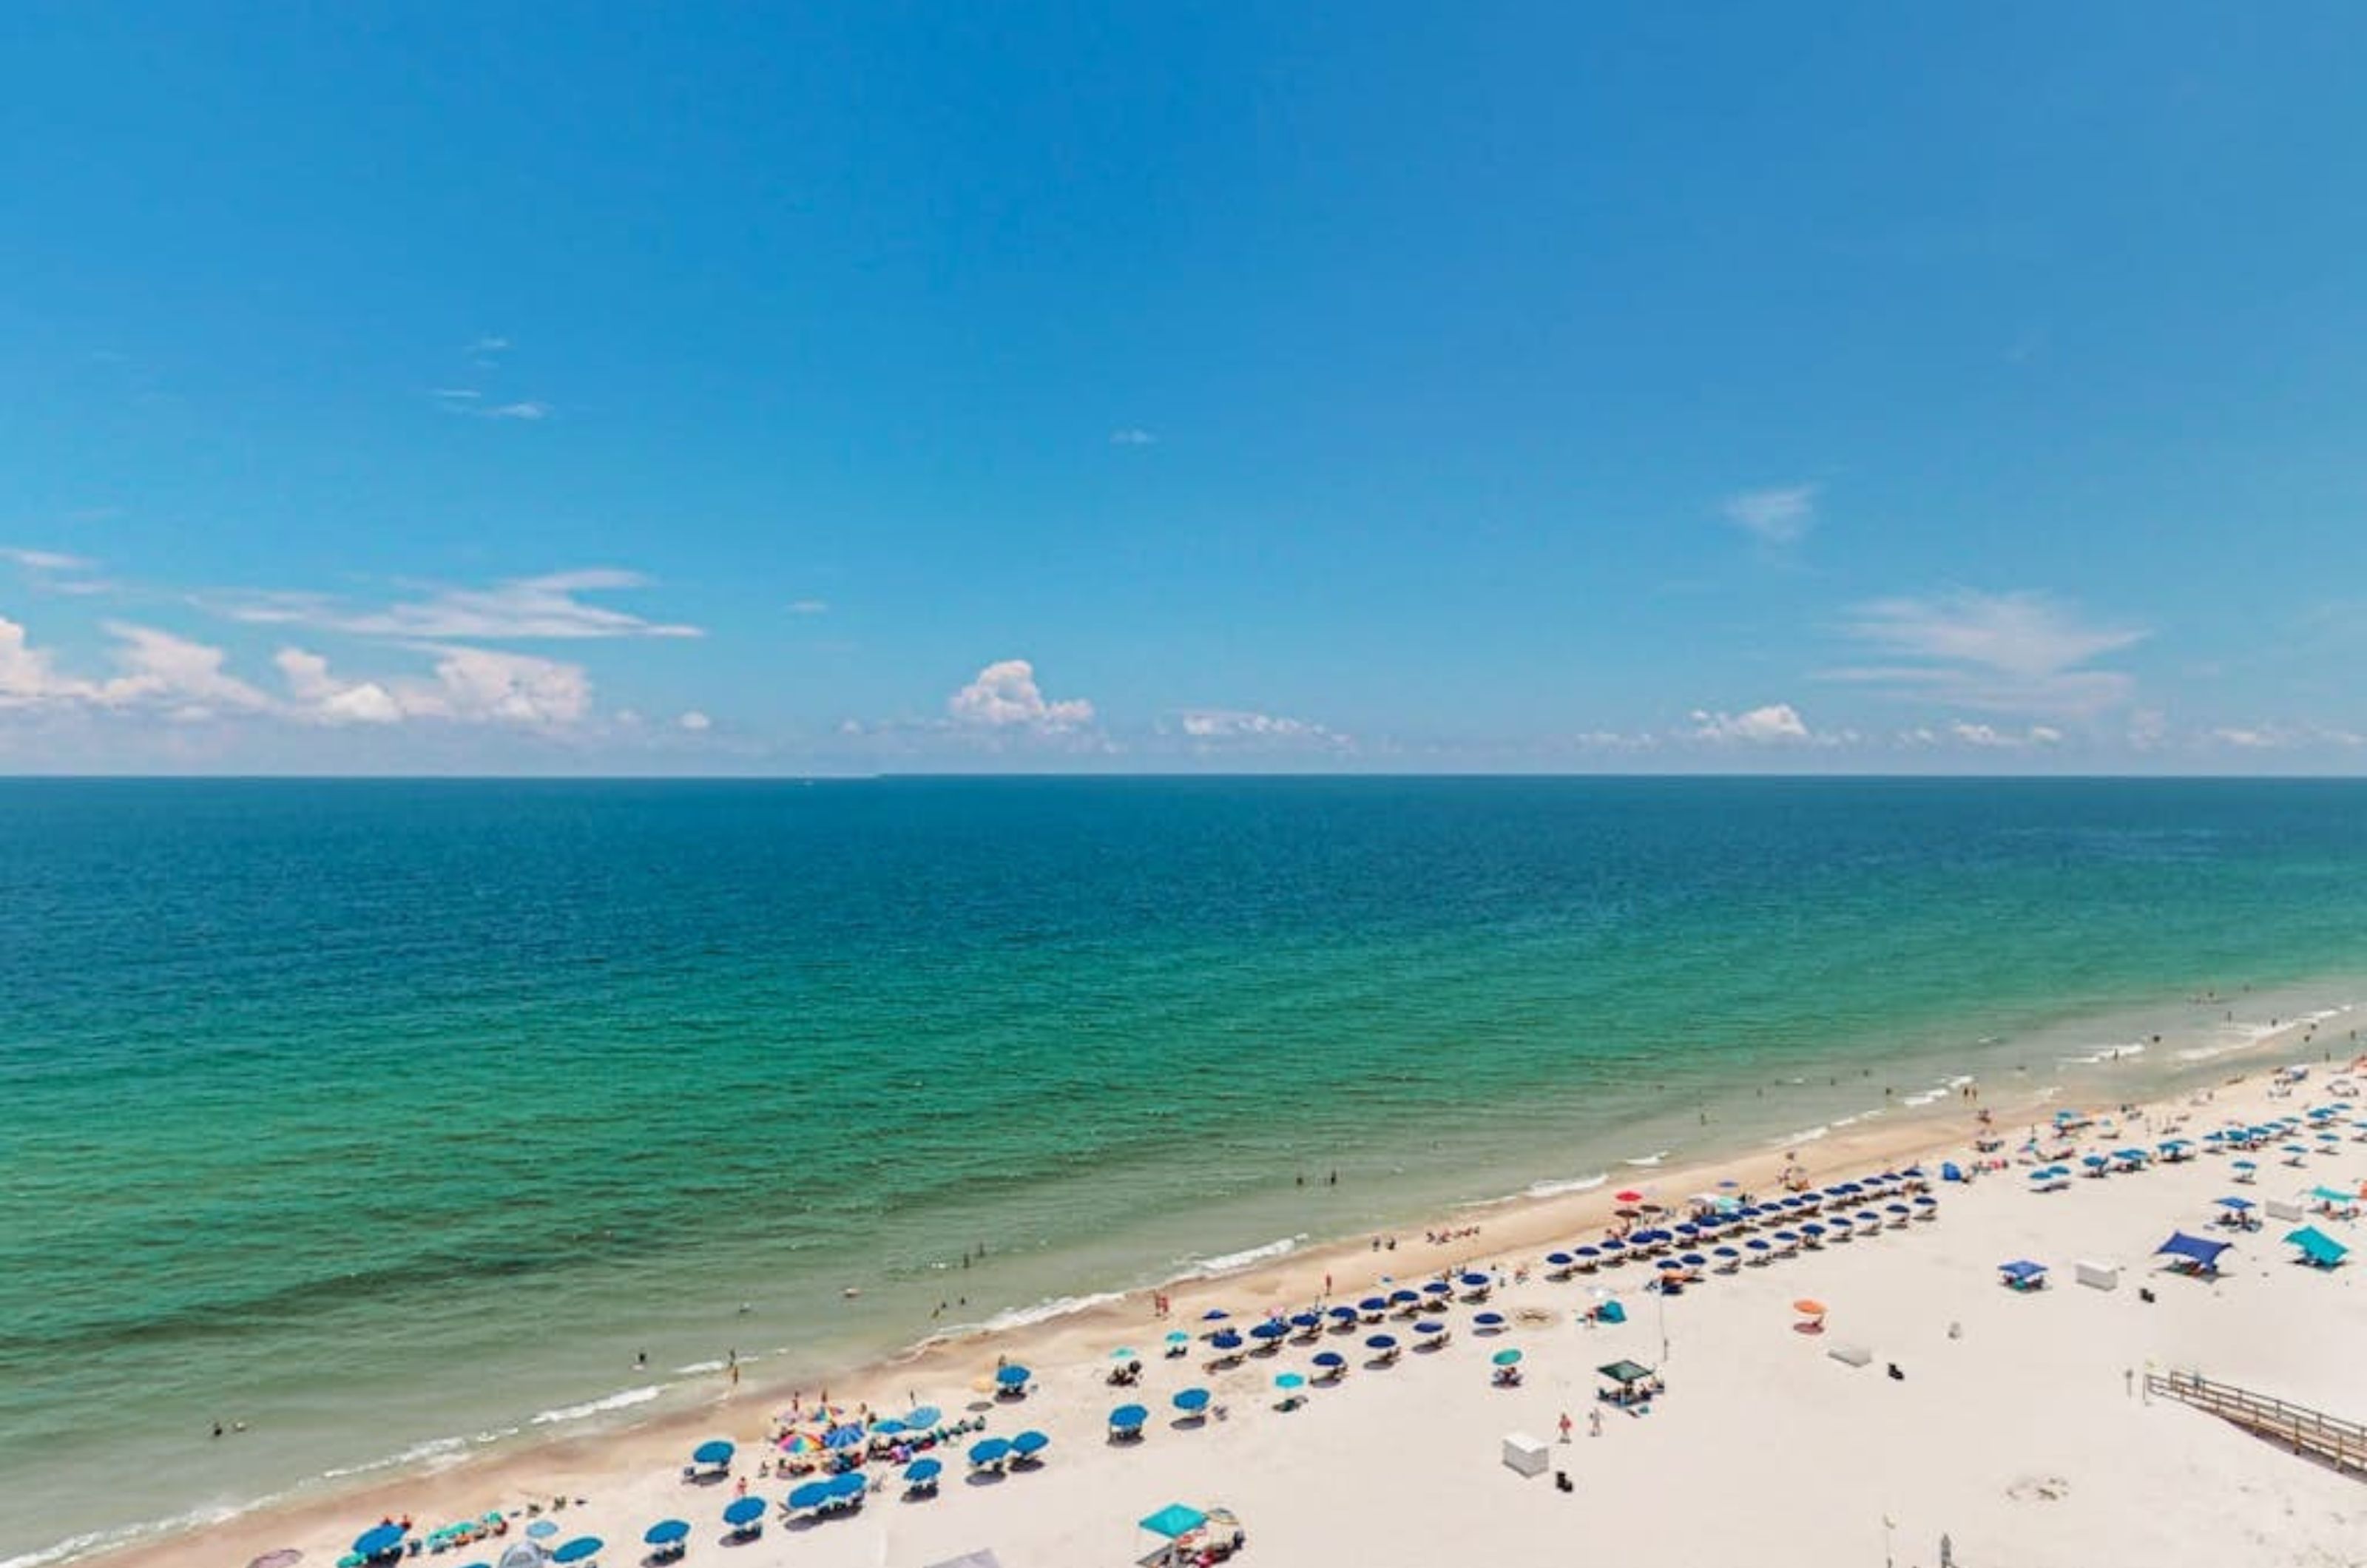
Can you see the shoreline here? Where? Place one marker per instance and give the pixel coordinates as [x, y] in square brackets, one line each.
[940, 1367]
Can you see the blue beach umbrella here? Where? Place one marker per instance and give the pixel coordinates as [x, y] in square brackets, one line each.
[813, 1494]
[380, 1540]
[1013, 1377]
[717, 1451]
[922, 1419]
[991, 1450]
[1215, 1315]
[1694, 1260]
[1437, 1288]
[1488, 1319]
[1227, 1340]
[1560, 1259]
[1305, 1320]
[576, 1550]
[1028, 1444]
[1427, 1329]
[1381, 1342]
[1373, 1303]
[1128, 1417]
[1269, 1331]
[1192, 1400]
[741, 1512]
[889, 1428]
[1474, 1281]
[541, 1529]
[665, 1532]
[842, 1438]
[853, 1483]
[1343, 1314]
[1179, 1337]
[921, 1471]
[1330, 1359]
[1286, 1381]
[1506, 1357]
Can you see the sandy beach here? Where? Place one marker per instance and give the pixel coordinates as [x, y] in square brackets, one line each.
[2016, 1428]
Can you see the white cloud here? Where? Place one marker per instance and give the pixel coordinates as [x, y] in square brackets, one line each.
[550, 607]
[185, 677]
[1215, 727]
[1989, 737]
[809, 607]
[317, 695]
[48, 560]
[489, 345]
[529, 411]
[2000, 652]
[695, 722]
[1780, 516]
[478, 685]
[1776, 724]
[456, 394]
[2283, 737]
[1133, 436]
[29, 676]
[1005, 696]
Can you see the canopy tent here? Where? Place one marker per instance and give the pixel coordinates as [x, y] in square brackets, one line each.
[1625, 1372]
[2022, 1273]
[2316, 1247]
[2333, 1195]
[1173, 1520]
[2203, 1254]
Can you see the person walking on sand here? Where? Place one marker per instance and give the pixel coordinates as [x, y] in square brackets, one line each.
[1594, 1422]
[1565, 1426]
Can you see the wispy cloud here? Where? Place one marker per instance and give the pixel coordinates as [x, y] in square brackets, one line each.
[47, 560]
[1209, 728]
[2019, 652]
[1004, 697]
[456, 394]
[550, 607]
[809, 607]
[1774, 724]
[1982, 736]
[1779, 515]
[695, 722]
[1133, 436]
[530, 411]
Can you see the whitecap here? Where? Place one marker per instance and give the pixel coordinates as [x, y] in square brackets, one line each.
[624, 1400]
[1577, 1184]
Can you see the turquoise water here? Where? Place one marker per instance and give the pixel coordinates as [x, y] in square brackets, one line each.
[386, 1117]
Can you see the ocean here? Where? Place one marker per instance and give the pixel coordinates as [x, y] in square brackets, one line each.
[392, 1119]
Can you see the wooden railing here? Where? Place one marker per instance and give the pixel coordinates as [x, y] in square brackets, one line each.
[2340, 1443]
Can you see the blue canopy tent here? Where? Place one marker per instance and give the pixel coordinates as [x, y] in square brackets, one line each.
[2023, 1275]
[2191, 1254]
[1173, 1523]
[2317, 1249]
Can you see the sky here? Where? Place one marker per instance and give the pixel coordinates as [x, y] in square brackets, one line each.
[727, 389]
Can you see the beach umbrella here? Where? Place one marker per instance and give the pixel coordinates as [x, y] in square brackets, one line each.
[1269, 1331]
[1330, 1359]
[1725, 1252]
[1694, 1260]
[380, 1540]
[839, 1438]
[1227, 1340]
[1673, 1266]
[1013, 1377]
[921, 1471]
[1631, 1196]
[887, 1427]
[1305, 1320]
[665, 1532]
[991, 1450]
[1588, 1252]
[741, 1512]
[1506, 1357]
[1179, 1337]
[1810, 1308]
[1488, 1319]
[576, 1550]
[1473, 1282]
[921, 1418]
[1437, 1288]
[1174, 1520]
[541, 1529]
[715, 1451]
[1380, 1342]
[1122, 1354]
[1028, 1444]
[1215, 1315]
[1128, 1417]
[853, 1483]
[1560, 1260]
[813, 1494]
[1343, 1314]
[1400, 1297]
[1373, 1303]
[1288, 1381]
[1191, 1401]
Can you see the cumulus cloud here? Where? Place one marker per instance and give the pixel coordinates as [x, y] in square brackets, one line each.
[1780, 516]
[695, 722]
[2017, 652]
[1989, 737]
[1004, 697]
[185, 677]
[550, 607]
[1234, 726]
[29, 676]
[1776, 724]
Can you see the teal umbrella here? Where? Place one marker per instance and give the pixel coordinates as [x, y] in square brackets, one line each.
[1506, 1357]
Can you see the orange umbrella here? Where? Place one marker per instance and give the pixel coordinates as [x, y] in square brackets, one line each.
[1807, 1307]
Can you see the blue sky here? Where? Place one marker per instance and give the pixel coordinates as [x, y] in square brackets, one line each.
[510, 388]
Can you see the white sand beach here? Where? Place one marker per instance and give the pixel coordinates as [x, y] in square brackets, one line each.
[2017, 1429]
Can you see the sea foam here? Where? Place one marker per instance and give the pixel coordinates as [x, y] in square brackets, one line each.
[623, 1400]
